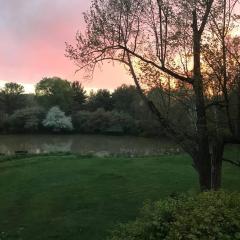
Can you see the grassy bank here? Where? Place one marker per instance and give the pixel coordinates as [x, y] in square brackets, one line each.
[73, 197]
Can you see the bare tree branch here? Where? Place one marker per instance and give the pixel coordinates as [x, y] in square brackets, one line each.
[231, 162]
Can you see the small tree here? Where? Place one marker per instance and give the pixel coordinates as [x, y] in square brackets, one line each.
[57, 121]
[11, 97]
[100, 99]
[79, 96]
[125, 98]
[54, 91]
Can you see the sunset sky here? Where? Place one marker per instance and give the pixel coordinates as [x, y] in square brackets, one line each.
[32, 46]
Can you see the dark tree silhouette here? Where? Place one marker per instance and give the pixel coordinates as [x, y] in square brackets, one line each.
[168, 44]
[11, 97]
[79, 96]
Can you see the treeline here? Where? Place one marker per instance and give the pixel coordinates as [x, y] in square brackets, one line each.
[62, 106]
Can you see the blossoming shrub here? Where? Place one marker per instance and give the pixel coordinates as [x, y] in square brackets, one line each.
[57, 121]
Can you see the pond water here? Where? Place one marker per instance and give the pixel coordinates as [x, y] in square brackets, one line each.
[86, 144]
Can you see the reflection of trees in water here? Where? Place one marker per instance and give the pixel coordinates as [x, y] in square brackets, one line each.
[4, 149]
[35, 144]
[56, 146]
[123, 145]
[10, 147]
[84, 144]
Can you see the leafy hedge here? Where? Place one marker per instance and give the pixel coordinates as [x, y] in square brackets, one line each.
[207, 216]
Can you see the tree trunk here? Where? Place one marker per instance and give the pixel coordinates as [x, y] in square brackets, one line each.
[216, 162]
[238, 106]
[210, 169]
[203, 167]
[203, 157]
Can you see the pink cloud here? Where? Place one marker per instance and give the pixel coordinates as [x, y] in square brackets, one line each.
[33, 35]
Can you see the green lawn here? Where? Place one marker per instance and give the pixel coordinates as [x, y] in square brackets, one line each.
[72, 197]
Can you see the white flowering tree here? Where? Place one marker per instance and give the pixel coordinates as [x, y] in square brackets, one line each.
[57, 121]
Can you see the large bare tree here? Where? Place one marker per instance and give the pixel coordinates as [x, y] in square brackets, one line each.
[183, 47]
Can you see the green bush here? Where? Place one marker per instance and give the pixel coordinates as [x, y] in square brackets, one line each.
[150, 127]
[207, 216]
[26, 120]
[104, 122]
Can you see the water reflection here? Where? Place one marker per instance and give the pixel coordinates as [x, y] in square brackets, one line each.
[85, 144]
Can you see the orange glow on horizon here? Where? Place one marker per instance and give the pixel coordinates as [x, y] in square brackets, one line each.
[33, 35]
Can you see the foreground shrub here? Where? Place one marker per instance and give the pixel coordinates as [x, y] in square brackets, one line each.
[207, 216]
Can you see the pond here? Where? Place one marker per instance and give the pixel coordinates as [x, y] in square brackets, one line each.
[86, 144]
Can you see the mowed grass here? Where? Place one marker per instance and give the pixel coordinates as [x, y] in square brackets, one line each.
[73, 197]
